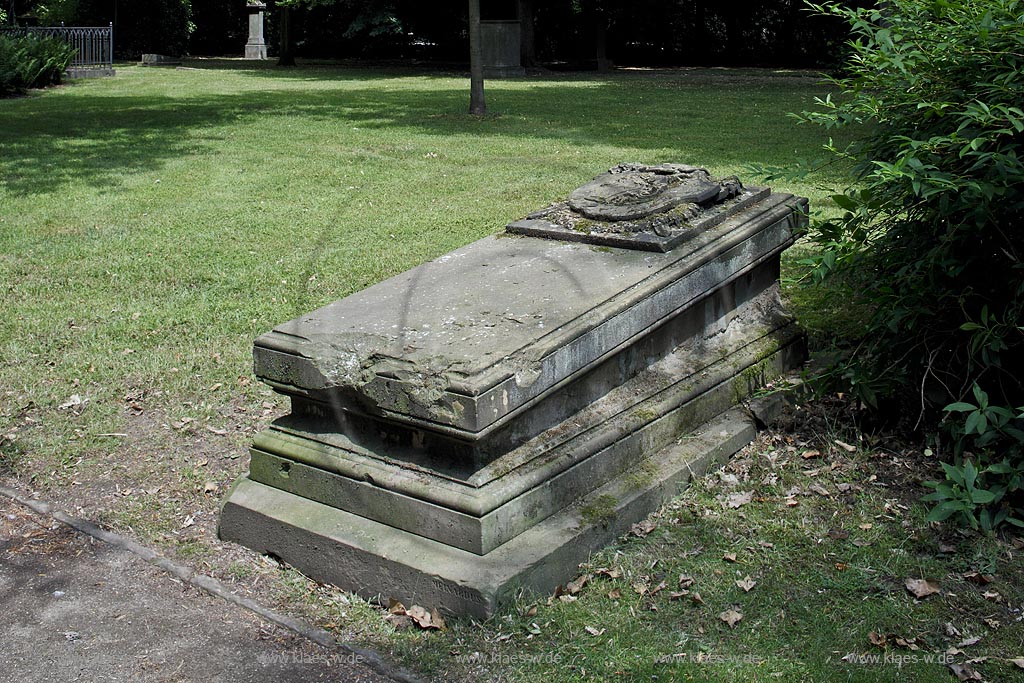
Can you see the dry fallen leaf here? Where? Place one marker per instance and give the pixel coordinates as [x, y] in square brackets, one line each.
[677, 595]
[72, 402]
[685, 581]
[906, 643]
[992, 595]
[979, 578]
[807, 455]
[425, 619]
[1018, 662]
[964, 672]
[593, 631]
[574, 587]
[610, 573]
[746, 583]
[876, 639]
[209, 487]
[641, 529]
[398, 621]
[845, 446]
[731, 617]
[614, 594]
[838, 534]
[739, 499]
[729, 557]
[696, 599]
[921, 588]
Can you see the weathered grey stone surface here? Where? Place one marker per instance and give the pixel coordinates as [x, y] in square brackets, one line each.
[457, 344]
[500, 48]
[256, 47]
[632, 191]
[152, 59]
[452, 426]
[374, 559]
[634, 206]
[478, 510]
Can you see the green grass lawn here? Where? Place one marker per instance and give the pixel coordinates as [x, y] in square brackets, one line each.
[152, 224]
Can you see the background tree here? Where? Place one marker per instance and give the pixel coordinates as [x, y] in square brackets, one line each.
[477, 107]
[221, 27]
[286, 53]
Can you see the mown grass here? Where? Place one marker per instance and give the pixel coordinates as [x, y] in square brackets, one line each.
[151, 225]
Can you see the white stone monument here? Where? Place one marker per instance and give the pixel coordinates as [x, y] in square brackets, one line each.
[256, 48]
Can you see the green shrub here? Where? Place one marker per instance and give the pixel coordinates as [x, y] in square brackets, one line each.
[930, 233]
[985, 483]
[31, 62]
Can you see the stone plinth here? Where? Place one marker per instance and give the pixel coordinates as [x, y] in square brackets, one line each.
[483, 422]
[256, 48]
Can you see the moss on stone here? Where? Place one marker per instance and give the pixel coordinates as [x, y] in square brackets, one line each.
[642, 475]
[602, 510]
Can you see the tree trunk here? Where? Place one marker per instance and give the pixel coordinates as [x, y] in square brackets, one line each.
[527, 47]
[477, 107]
[286, 56]
[601, 41]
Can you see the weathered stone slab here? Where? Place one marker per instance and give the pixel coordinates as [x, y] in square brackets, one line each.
[538, 476]
[378, 561]
[457, 344]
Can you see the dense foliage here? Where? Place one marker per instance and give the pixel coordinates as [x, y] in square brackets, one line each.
[570, 32]
[31, 62]
[931, 236]
[140, 26]
[564, 32]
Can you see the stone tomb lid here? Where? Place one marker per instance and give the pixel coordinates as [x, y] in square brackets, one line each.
[463, 342]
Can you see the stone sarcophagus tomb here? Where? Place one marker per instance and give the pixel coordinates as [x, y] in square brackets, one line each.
[480, 424]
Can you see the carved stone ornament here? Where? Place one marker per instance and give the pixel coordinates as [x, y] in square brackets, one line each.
[636, 206]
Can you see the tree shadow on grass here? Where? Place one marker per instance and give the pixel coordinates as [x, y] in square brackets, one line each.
[48, 143]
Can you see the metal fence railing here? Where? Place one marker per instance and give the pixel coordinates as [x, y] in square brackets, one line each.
[95, 44]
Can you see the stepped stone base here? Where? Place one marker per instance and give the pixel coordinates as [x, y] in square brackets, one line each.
[377, 560]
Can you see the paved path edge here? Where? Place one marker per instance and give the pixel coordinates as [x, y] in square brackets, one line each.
[369, 658]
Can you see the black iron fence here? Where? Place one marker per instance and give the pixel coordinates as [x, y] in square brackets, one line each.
[95, 44]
